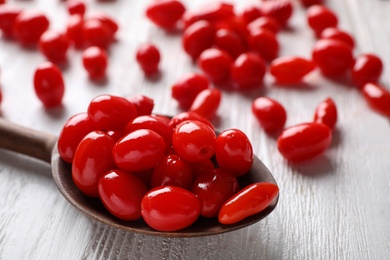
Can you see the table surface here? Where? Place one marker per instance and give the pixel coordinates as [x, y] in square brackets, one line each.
[335, 206]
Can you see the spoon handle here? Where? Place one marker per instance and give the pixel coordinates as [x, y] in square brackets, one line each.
[26, 141]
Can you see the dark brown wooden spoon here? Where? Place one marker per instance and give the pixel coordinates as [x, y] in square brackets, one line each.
[43, 146]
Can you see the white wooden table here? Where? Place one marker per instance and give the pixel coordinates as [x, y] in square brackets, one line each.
[336, 206]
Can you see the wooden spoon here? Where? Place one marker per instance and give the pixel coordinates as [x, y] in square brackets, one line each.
[43, 146]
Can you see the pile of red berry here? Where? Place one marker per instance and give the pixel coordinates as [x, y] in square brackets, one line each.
[169, 171]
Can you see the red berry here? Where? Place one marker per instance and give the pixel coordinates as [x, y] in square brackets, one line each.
[165, 13]
[148, 57]
[320, 17]
[198, 37]
[234, 152]
[249, 201]
[76, 7]
[91, 161]
[211, 12]
[49, 84]
[95, 62]
[230, 42]
[172, 171]
[216, 64]
[170, 208]
[264, 42]
[281, 10]
[111, 112]
[269, 113]
[188, 115]
[8, 16]
[187, 87]
[333, 57]
[54, 45]
[121, 193]
[159, 124]
[107, 20]
[29, 26]
[248, 71]
[194, 141]
[337, 34]
[74, 30]
[199, 168]
[367, 68]
[96, 33]
[378, 98]
[207, 103]
[304, 141]
[290, 69]
[213, 189]
[326, 113]
[139, 150]
[143, 104]
[73, 131]
[264, 22]
[250, 13]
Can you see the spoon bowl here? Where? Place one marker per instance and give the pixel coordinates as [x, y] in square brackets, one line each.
[43, 146]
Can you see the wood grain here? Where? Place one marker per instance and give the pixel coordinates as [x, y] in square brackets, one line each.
[333, 207]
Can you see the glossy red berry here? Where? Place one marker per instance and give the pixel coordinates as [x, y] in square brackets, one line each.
[91, 161]
[230, 42]
[73, 131]
[121, 193]
[188, 115]
[264, 22]
[165, 13]
[76, 7]
[367, 68]
[74, 30]
[320, 17]
[250, 13]
[234, 152]
[338, 34]
[269, 113]
[111, 112]
[96, 33]
[139, 150]
[172, 171]
[8, 16]
[377, 97]
[29, 26]
[148, 57]
[110, 23]
[281, 10]
[264, 42]
[194, 141]
[248, 71]
[304, 141]
[216, 64]
[326, 113]
[170, 208]
[332, 57]
[290, 69]
[213, 189]
[54, 45]
[211, 12]
[143, 104]
[49, 84]
[198, 37]
[199, 168]
[159, 124]
[249, 201]
[95, 61]
[207, 103]
[187, 87]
